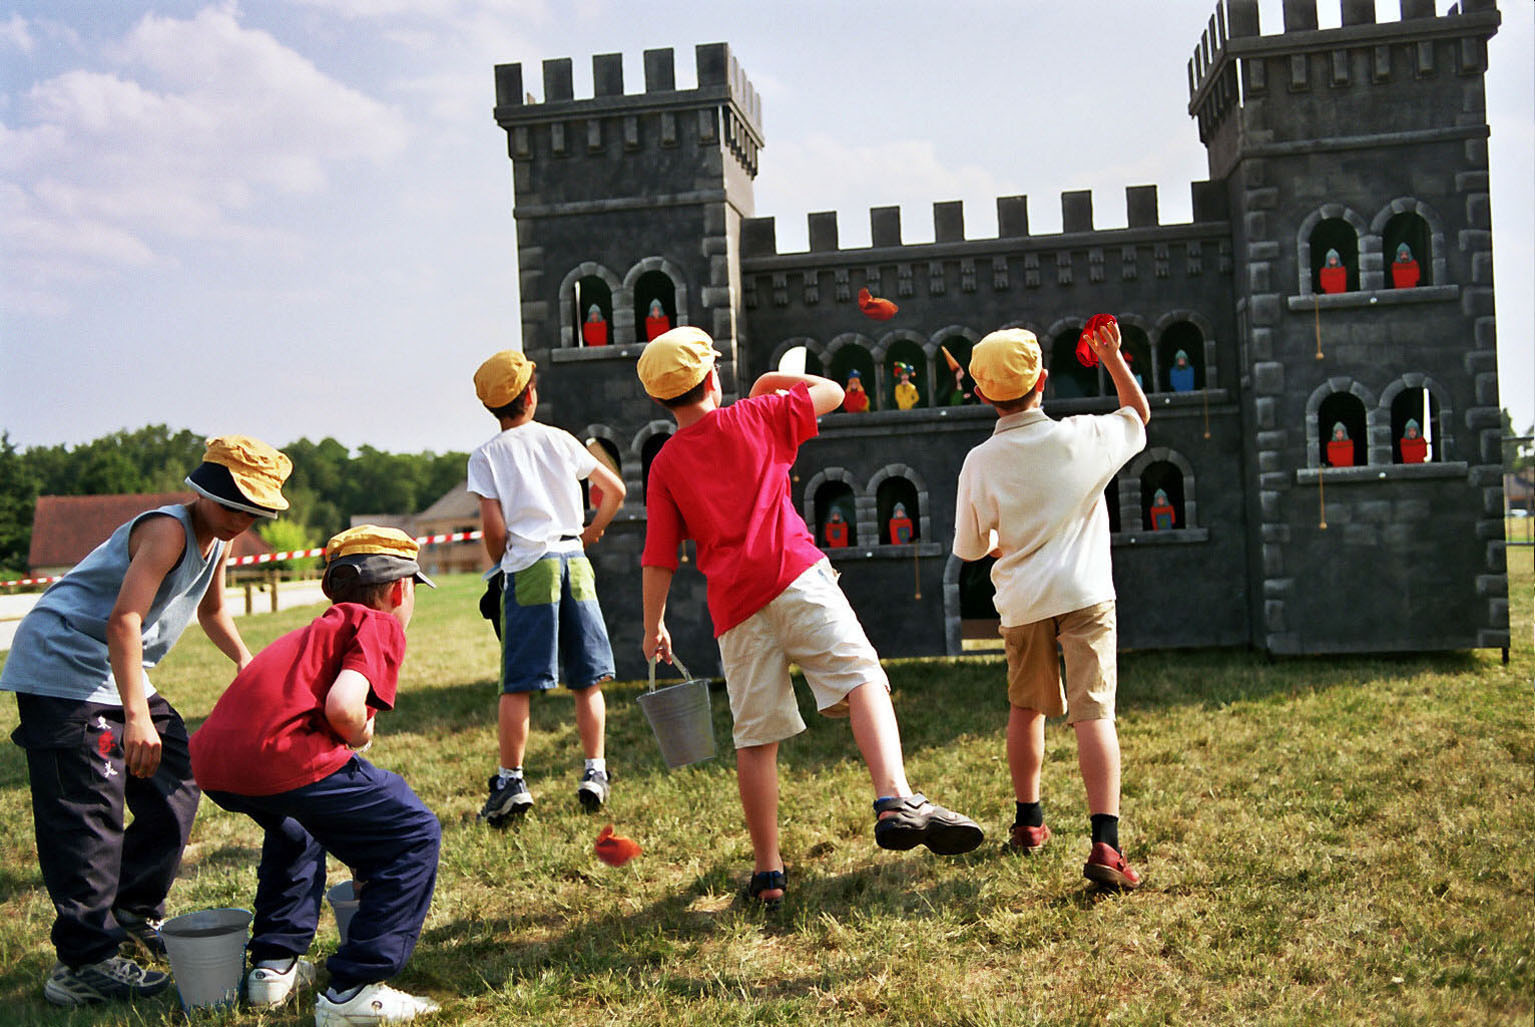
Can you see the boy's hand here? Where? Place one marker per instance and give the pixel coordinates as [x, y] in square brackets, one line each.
[141, 747]
[658, 644]
[1105, 341]
[590, 536]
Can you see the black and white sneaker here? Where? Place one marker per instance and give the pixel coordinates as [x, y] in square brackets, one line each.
[509, 797]
[113, 978]
[143, 934]
[593, 790]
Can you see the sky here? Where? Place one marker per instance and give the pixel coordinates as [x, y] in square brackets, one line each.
[293, 218]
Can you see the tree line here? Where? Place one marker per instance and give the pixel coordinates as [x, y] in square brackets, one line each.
[329, 484]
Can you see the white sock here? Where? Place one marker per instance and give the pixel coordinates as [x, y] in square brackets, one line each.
[598, 764]
[510, 774]
[282, 966]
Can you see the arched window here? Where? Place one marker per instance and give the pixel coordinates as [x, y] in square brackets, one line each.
[1405, 246]
[1068, 378]
[1341, 430]
[956, 390]
[1334, 256]
[906, 371]
[1111, 500]
[1162, 507]
[593, 318]
[1181, 358]
[897, 507]
[606, 452]
[647, 455]
[1416, 439]
[655, 304]
[847, 359]
[1137, 347]
[836, 516]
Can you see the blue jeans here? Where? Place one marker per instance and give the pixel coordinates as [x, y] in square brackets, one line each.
[370, 820]
[550, 620]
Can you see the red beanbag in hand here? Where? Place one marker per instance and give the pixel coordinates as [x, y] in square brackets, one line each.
[1085, 355]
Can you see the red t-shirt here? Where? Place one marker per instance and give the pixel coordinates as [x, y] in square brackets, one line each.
[724, 482]
[268, 732]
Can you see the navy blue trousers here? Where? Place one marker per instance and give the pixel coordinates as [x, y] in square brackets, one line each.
[91, 865]
[370, 820]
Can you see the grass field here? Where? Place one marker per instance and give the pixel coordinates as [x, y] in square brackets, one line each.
[1324, 841]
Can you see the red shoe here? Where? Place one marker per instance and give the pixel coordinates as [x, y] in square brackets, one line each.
[1026, 839]
[1107, 866]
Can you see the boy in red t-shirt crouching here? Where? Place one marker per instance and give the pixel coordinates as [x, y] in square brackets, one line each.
[281, 745]
[722, 479]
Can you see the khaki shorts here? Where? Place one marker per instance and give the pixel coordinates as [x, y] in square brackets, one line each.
[810, 623]
[1088, 641]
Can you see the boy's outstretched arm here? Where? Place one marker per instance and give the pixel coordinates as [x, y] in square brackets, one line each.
[154, 548]
[217, 623]
[656, 583]
[825, 394]
[612, 487]
[1105, 343]
[346, 709]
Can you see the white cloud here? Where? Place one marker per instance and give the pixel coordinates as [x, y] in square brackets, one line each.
[14, 34]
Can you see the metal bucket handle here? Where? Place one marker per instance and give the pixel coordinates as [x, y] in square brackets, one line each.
[675, 663]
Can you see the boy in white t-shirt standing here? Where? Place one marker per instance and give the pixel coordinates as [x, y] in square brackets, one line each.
[528, 479]
[1032, 496]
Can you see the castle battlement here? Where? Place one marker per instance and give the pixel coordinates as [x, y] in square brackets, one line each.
[1359, 52]
[759, 235]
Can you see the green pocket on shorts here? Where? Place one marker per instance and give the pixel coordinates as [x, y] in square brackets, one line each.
[538, 585]
[583, 583]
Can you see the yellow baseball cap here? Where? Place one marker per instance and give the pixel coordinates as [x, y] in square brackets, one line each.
[373, 555]
[242, 473]
[675, 361]
[1006, 364]
[502, 378]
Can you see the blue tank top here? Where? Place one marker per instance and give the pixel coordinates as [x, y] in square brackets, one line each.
[60, 648]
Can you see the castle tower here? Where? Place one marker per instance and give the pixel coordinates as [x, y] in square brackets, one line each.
[1356, 165]
[628, 210]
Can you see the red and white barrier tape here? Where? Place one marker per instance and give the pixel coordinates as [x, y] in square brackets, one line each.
[296, 554]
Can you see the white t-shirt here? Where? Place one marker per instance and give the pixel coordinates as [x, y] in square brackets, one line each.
[535, 471]
[1035, 489]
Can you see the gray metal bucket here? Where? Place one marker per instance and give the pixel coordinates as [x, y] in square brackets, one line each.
[343, 900]
[207, 955]
[679, 716]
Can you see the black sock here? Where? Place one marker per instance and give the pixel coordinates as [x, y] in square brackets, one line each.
[1106, 829]
[1030, 814]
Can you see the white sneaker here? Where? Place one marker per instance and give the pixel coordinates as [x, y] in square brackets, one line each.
[267, 987]
[376, 1003]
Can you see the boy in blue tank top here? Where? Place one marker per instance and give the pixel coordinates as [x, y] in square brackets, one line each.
[97, 735]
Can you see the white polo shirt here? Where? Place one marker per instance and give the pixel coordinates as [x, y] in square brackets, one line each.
[1035, 489]
[535, 471]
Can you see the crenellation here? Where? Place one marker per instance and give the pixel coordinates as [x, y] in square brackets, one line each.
[608, 74]
[823, 231]
[885, 226]
[508, 85]
[1141, 206]
[1077, 210]
[559, 83]
[949, 221]
[660, 70]
[1358, 12]
[1012, 217]
[1300, 15]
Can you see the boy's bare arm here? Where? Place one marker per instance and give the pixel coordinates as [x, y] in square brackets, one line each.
[346, 709]
[656, 583]
[825, 394]
[1105, 342]
[612, 487]
[217, 622]
[494, 527]
[154, 548]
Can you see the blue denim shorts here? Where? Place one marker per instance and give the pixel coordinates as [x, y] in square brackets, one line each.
[551, 621]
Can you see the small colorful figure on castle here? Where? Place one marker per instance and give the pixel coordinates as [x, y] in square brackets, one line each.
[1181, 375]
[901, 529]
[835, 530]
[874, 307]
[656, 321]
[1404, 270]
[855, 400]
[594, 332]
[906, 394]
[1340, 448]
[957, 396]
[1163, 516]
[1413, 445]
[1334, 275]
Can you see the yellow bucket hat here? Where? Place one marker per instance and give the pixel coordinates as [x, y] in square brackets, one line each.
[372, 555]
[1006, 364]
[675, 361]
[242, 473]
[502, 378]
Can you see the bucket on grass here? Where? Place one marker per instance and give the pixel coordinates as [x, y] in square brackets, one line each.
[343, 901]
[207, 954]
[679, 716]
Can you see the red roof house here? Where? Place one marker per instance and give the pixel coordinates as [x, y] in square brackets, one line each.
[66, 528]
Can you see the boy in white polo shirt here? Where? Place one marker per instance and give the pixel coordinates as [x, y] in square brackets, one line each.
[528, 477]
[1032, 496]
